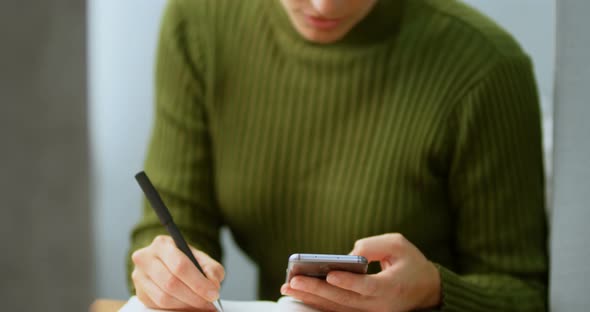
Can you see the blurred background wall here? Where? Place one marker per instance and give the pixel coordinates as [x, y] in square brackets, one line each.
[122, 38]
[45, 245]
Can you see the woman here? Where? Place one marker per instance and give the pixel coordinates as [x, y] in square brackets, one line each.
[407, 131]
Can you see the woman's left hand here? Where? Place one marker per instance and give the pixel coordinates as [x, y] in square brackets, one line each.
[407, 281]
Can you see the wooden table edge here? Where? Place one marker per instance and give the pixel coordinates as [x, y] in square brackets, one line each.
[106, 305]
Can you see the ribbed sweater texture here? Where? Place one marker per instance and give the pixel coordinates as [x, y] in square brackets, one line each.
[424, 120]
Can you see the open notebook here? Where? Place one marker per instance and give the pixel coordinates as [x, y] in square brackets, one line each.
[284, 304]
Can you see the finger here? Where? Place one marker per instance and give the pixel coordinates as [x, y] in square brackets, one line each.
[363, 284]
[173, 286]
[213, 269]
[319, 303]
[144, 298]
[377, 248]
[139, 256]
[182, 267]
[152, 296]
[322, 290]
[138, 282]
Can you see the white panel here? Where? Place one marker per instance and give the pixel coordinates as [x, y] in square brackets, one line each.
[122, 38]
[570, 272]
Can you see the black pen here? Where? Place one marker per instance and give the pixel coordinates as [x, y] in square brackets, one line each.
[166, 219]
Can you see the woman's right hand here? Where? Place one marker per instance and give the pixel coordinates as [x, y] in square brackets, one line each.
[165, 278]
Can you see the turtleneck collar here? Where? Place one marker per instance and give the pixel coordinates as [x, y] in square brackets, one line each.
[379, 25]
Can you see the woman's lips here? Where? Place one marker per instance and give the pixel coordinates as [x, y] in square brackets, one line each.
[322, 23]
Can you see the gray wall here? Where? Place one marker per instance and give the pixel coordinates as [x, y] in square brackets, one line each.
[122, 38]
[45, 238]
[570, 274]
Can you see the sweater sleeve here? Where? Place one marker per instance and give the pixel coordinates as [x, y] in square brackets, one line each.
[496, 185]
[179, 158]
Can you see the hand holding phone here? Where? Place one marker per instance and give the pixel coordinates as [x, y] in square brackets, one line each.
[318, 265]
[408, 281]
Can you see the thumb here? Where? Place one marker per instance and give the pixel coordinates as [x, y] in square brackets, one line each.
[378, 248]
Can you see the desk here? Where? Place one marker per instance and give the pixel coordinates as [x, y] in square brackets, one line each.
[102, 305]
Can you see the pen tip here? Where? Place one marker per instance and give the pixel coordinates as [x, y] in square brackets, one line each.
[220, 307]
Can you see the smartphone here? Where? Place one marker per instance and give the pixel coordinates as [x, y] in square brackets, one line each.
[318, 265]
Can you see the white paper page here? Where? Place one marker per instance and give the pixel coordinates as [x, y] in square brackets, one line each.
[285, 304]
[289, 304]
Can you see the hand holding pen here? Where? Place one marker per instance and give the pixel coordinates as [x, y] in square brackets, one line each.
[169, 274]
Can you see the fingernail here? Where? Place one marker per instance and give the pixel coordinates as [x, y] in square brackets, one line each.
[333, 280]
[296, 284]
[284, 289]
[212, 295]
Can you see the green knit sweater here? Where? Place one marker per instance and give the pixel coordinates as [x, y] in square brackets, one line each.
[423, 120]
